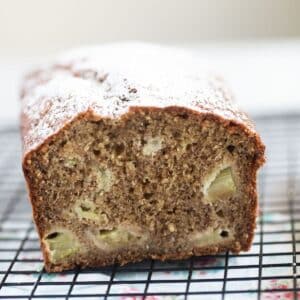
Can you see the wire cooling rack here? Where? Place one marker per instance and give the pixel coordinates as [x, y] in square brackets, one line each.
[269, 271]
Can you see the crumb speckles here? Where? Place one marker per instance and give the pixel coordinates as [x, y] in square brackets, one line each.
[91, 74]
[132, 90]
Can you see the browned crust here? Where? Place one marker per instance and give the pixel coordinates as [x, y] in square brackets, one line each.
[231, 126]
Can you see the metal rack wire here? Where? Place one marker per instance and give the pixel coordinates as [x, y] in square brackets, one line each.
[269, 271]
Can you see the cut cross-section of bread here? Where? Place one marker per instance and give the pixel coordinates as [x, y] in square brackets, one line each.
[166, 181]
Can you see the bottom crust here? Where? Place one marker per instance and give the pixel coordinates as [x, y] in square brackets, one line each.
[138, 256]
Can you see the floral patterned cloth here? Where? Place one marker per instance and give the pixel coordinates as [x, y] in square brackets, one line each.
[237, 275]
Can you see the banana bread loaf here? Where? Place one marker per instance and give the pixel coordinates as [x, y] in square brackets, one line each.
[130, 152]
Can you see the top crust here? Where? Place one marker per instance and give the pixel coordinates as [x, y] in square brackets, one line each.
[112, 80]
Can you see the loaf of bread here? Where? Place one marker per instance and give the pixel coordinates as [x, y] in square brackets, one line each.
[132, 152]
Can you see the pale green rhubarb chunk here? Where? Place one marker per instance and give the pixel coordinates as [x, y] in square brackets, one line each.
[117, 237]
[152, 146]
[86, 209]
[105, 180]
[223, 186]
[61, 245]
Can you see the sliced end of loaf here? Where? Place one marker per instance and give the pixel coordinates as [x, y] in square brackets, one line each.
[155, 183]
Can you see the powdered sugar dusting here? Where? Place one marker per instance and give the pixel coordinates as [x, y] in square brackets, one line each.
[108, 80]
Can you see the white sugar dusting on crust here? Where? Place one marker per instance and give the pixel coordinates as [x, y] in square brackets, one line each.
[110, 79]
